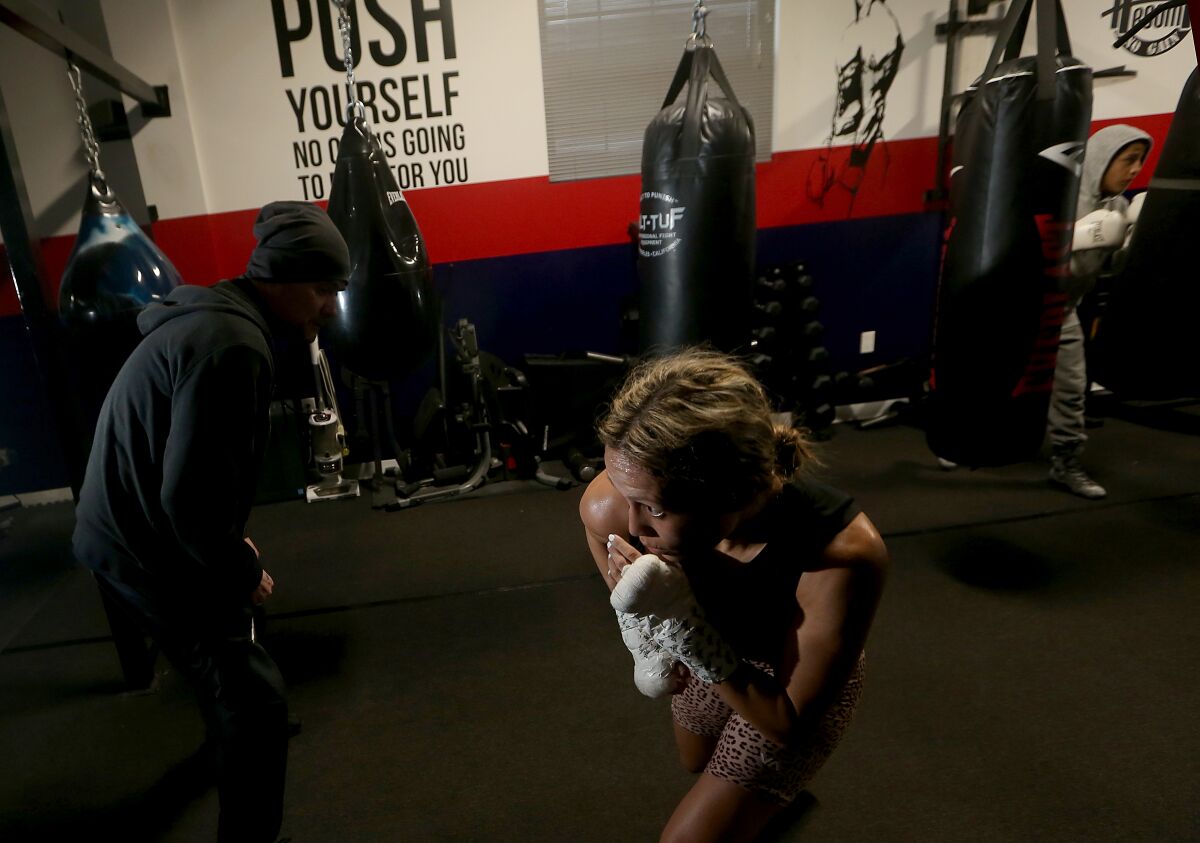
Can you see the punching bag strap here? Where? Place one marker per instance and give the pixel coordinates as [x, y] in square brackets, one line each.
[1016, 12]
[699, 60]
[1016, 38]
[718, 73]
[1064, 39]
[1060, 37]
[682, 72]
[689, 145]
[1052, 40]
[1049, 37]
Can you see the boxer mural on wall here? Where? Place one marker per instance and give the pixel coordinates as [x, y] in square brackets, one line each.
[870, 57]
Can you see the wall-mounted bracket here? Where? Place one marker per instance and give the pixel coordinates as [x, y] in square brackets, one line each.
[26, 18]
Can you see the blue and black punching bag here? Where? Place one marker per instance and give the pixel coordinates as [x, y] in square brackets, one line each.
[1018, 148]
[1145, 347]
[387, 318]
[114, 271]
[696, 225]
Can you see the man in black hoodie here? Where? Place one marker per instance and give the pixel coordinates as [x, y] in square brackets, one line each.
[170, 482]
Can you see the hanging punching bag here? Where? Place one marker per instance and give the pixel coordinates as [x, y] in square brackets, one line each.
[387, 316]
[696, 225]
[1018, 144]
[1145, 347]
[114, 271]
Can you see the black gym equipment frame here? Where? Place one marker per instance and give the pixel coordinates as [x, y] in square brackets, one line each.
[25, 264]
[17, 224]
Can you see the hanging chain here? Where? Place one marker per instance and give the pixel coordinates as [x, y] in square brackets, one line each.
[699, 13]
[86, 132]
[351, 88]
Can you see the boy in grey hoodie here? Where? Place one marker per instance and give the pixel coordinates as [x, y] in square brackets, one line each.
[171, 478]
[1104, 221]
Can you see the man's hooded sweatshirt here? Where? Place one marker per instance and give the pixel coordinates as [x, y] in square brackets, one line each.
[1102, 148]
[177, 452]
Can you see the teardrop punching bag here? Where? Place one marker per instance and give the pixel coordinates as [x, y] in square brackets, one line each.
[386, 323]
[1145, 347]
[114, 271]
[696, 224]
[1018, 144]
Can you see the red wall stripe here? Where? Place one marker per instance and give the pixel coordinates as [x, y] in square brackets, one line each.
[522, 216]
[10, 305]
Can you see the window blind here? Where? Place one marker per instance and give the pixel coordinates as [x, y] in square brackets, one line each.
[607, 64]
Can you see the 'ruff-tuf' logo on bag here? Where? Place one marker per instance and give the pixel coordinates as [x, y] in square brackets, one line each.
[657, 234]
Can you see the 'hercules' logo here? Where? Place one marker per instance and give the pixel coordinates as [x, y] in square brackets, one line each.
[1168, 28]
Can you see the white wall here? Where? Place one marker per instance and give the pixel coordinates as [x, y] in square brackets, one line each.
[811, 45]
[246, 125]
[42, 115]
[1160, 78]
[145, 36]
[230, 142]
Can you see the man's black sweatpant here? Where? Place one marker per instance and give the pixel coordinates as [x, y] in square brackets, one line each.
[242, 697]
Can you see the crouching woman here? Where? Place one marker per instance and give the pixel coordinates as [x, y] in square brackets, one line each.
[743, 588]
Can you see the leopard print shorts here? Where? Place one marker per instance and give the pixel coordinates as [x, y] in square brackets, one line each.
[745, 757]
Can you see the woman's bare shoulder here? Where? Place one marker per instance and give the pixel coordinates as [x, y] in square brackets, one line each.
[858, 545]
[602, 508]
[848, 578]
[857, 550]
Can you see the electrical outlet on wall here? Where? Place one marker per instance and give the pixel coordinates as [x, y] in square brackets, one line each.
[866, 342]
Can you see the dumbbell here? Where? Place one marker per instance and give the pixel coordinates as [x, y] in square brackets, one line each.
[768, 311]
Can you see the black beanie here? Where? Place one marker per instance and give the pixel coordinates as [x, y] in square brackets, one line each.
[297, 241]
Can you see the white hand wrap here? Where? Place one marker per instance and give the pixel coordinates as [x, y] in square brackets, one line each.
[1099, 230]
[651, 666]
[652, 588]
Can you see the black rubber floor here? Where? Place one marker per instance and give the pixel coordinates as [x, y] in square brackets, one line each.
[1032, 674]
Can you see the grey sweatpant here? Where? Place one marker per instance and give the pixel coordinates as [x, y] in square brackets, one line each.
[1065, 422]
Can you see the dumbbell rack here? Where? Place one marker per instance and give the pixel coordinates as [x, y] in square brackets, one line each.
[787, 350]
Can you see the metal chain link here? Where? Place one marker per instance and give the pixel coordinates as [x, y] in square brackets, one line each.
[86, 132]
[347, 53]
[699, 13]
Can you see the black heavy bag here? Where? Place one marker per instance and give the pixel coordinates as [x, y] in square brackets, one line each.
[1146, 344]
[114, 271]
[1015, 179]
[696, 226]
[386, 323]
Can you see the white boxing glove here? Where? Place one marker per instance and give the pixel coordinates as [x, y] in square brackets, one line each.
[651, 665]
[1099, 230]
[1131, 216]
[651, 588]
[1135, 208]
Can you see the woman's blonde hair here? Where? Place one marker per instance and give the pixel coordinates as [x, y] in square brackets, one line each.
[700, 422]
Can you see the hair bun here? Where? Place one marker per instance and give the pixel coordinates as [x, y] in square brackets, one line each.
[793, 451]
